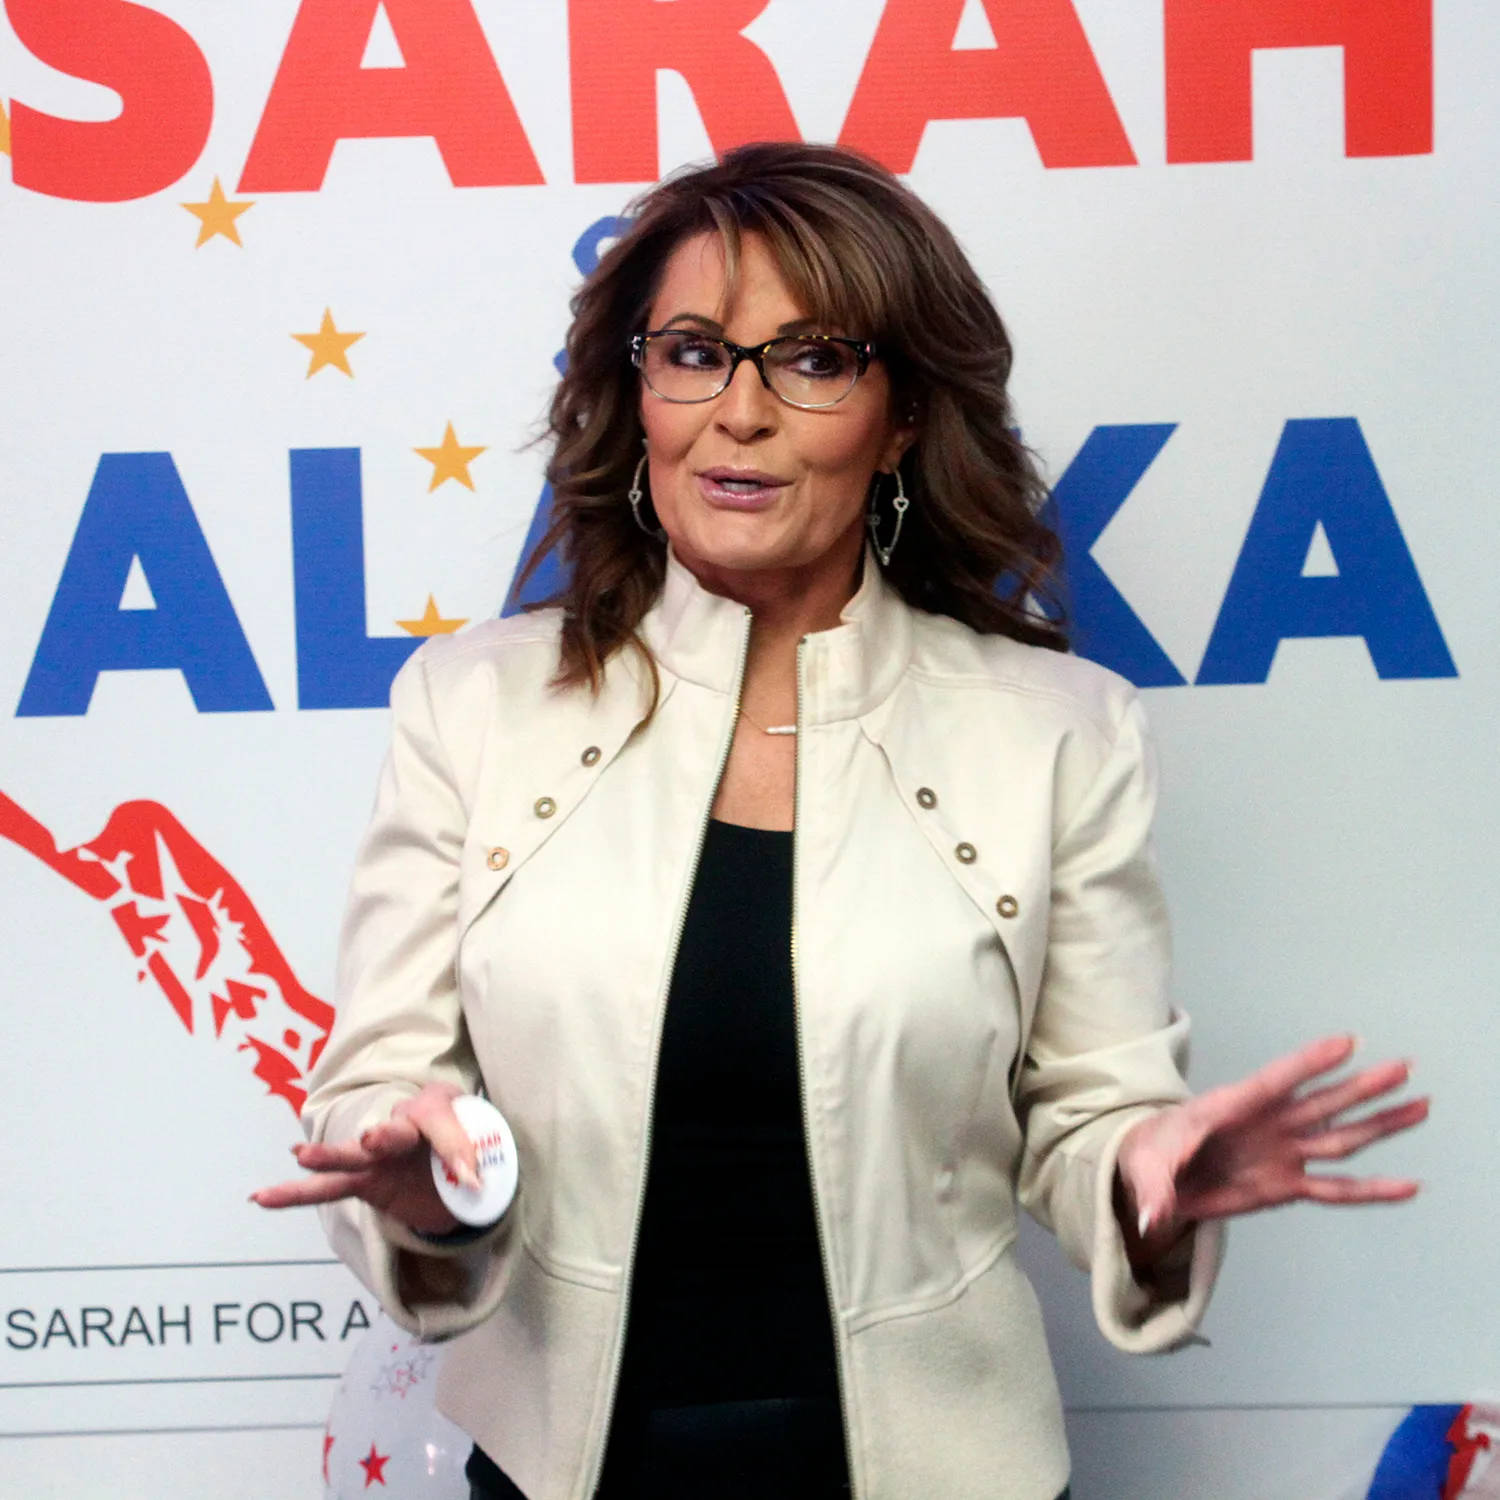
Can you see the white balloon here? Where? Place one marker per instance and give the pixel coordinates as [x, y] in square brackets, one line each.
[384, 1435]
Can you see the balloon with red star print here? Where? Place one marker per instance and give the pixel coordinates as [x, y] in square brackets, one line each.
[374, 1466]
[384, 1435]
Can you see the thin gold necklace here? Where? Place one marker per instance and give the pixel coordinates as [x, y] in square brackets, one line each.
[768, 728]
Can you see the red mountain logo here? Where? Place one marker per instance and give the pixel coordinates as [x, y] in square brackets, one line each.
[195, 933]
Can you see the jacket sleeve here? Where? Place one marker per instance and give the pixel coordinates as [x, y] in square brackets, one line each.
[1106, 1048]
[399, 1022]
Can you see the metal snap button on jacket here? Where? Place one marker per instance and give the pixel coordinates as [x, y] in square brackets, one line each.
[498, 858]
[1007, 906]
[590, 756]
[966, 854]
[926, 797]
[544, 807]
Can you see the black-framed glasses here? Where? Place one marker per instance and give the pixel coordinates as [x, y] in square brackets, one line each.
[809, 370]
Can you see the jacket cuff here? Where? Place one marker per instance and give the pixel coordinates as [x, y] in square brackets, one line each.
[438, 1246]
[433, 1291]
[432, 1288]
[1136, 1318]
[455, 1239]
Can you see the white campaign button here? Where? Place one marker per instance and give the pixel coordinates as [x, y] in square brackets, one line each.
[495, 1148]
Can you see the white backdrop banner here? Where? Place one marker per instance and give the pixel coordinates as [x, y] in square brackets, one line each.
[284, 290]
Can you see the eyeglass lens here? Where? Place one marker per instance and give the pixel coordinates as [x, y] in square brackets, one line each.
[687, 366]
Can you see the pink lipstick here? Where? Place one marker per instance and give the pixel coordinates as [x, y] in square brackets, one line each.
[739, 489]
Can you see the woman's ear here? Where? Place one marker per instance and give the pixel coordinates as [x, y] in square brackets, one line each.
[903, 436]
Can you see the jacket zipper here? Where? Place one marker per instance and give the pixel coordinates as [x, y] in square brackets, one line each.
[661, 1011]
[838, 1328]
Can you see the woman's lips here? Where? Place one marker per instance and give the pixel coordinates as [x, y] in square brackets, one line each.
[732, 489]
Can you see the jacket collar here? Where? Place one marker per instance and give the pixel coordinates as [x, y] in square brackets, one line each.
[700, 637]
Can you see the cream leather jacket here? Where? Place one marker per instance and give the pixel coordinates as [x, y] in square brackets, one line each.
[980, 958]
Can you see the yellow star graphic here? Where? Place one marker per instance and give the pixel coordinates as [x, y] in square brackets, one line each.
[329, 346]
[4, 131]
[217, 216]
[450, 460]
[431, 623]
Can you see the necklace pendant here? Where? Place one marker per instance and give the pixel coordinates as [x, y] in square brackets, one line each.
[767, 728]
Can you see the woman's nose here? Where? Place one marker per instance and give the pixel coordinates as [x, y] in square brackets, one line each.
[745, 409]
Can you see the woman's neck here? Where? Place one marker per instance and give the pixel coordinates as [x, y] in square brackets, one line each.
[786, 603]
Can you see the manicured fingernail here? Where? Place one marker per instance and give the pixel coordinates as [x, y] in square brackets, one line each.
[466, 1176]
[1144, 1223]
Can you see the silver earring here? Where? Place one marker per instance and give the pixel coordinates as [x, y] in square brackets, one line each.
[634, 496]
[899, 503]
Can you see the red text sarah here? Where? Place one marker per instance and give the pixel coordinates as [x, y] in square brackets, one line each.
[450, 89]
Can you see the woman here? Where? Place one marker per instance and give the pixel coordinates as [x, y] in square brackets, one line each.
[790, 890]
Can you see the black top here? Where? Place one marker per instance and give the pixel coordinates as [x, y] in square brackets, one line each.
[728, 1298]
[729, 1373]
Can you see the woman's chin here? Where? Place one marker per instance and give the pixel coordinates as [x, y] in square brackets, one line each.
[737, 542]
[764, 544]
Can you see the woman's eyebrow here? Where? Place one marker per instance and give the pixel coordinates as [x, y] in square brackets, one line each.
[709, 325]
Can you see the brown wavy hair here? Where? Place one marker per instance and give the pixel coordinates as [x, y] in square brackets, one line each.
[864, 255]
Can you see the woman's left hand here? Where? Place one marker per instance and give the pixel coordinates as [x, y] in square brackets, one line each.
[1247, 1146]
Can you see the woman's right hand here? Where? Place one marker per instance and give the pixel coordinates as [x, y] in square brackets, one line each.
[389, 1166]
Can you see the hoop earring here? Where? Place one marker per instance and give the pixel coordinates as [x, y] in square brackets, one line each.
[899, 503]
[634, 496]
